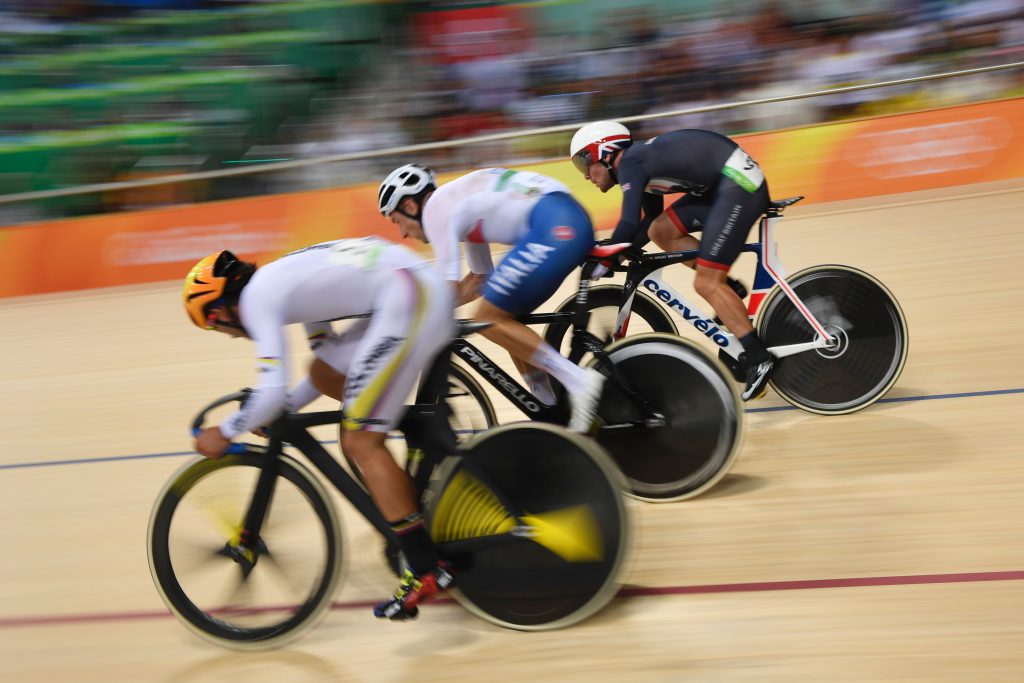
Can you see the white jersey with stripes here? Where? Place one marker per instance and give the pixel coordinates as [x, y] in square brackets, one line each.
[311, 286]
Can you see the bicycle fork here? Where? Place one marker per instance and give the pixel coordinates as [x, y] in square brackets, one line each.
[247, 546]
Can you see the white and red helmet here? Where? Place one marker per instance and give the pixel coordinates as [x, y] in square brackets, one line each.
[596, 142]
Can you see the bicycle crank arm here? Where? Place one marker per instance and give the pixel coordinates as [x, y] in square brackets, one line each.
[793, 349]
[654, 422]
[463, 546]
[571, 533]
[244, 556]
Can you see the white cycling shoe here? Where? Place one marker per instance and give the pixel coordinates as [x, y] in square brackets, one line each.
[585, 401]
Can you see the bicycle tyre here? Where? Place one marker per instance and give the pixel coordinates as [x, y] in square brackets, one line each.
[471, 408]
[213, 625]
[695, 393]
[873, 335]
[547, 472]
[603, 304]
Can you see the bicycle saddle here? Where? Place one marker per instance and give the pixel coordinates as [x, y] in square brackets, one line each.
[783, 203]
[606, 250]
[468, 326]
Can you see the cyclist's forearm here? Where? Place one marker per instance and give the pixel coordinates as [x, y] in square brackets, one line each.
[468, 289]
[301, 395]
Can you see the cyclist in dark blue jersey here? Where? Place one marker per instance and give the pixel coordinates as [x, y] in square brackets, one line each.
[725, 193]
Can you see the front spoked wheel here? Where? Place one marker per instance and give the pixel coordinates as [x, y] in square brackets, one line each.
[532, 516]
[673, 422]
[471, 409]
[646, 315]
[871, 333]
[239, 592]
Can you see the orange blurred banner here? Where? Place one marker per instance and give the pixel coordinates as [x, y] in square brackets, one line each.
[942, 148]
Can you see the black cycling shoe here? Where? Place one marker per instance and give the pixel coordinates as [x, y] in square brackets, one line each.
[757, 380]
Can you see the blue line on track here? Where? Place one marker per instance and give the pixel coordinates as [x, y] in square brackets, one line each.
[907, 399]
[774, 409]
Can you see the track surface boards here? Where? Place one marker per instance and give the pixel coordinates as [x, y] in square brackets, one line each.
[880, 546]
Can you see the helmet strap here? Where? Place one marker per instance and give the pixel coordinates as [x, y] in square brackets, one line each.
[409, 215]
[609, 164]
[419, 200]
[233, 310]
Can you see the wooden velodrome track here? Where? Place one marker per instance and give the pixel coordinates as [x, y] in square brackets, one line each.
[886, 545]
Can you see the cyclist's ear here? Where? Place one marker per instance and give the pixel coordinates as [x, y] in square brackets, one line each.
[409, 207]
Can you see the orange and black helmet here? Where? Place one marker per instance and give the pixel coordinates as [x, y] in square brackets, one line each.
[215, 280]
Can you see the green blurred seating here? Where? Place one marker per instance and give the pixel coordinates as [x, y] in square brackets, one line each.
[45, 161]
[234, 74]
[115, 62]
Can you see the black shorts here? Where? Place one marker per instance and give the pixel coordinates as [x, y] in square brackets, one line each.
[724, 216]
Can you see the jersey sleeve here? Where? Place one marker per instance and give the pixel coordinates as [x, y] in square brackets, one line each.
[632, 181]
[268, 399]
[478, 258]
[301, 395]
[443, 236]
[319, 336]
[653, 206]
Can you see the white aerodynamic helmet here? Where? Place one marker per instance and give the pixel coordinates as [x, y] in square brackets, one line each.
[411, 180]
[596, 141]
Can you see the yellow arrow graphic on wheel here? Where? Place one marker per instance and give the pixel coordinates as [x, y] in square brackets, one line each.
[469, 509]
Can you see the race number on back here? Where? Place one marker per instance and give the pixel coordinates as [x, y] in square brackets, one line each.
[743, 170]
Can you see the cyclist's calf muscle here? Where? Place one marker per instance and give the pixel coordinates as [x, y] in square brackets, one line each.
[711, 284]
[389, 486]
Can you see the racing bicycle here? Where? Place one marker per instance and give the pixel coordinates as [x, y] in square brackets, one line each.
[247, 550]
[669, 414]
[838, 335]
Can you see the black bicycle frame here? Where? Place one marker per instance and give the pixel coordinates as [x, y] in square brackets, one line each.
[429, 439]
[583, 341]
[642, 265]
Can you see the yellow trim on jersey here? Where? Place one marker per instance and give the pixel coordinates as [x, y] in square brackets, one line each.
[374, 392]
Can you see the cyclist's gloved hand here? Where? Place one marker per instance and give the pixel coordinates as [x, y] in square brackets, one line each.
[606, 267]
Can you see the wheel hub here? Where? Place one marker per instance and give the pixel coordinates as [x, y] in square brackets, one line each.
[836, 345]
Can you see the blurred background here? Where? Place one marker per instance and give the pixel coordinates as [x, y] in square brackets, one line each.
[94, 92]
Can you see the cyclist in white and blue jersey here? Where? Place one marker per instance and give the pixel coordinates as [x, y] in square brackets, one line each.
[550, 234]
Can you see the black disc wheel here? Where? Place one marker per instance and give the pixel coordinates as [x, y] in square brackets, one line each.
[471, 409]
[646, 315]
[673, 421]
[870, 340]
[236, 591]
[532, 516]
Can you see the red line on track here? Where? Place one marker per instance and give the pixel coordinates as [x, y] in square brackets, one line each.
[862, 582]
[625, 592]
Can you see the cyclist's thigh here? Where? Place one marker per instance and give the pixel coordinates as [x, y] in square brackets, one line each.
[412, 321]
[732, 213]
[560, 237]
[689, 213]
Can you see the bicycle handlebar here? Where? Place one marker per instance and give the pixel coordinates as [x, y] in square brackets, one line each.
[200, 418]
